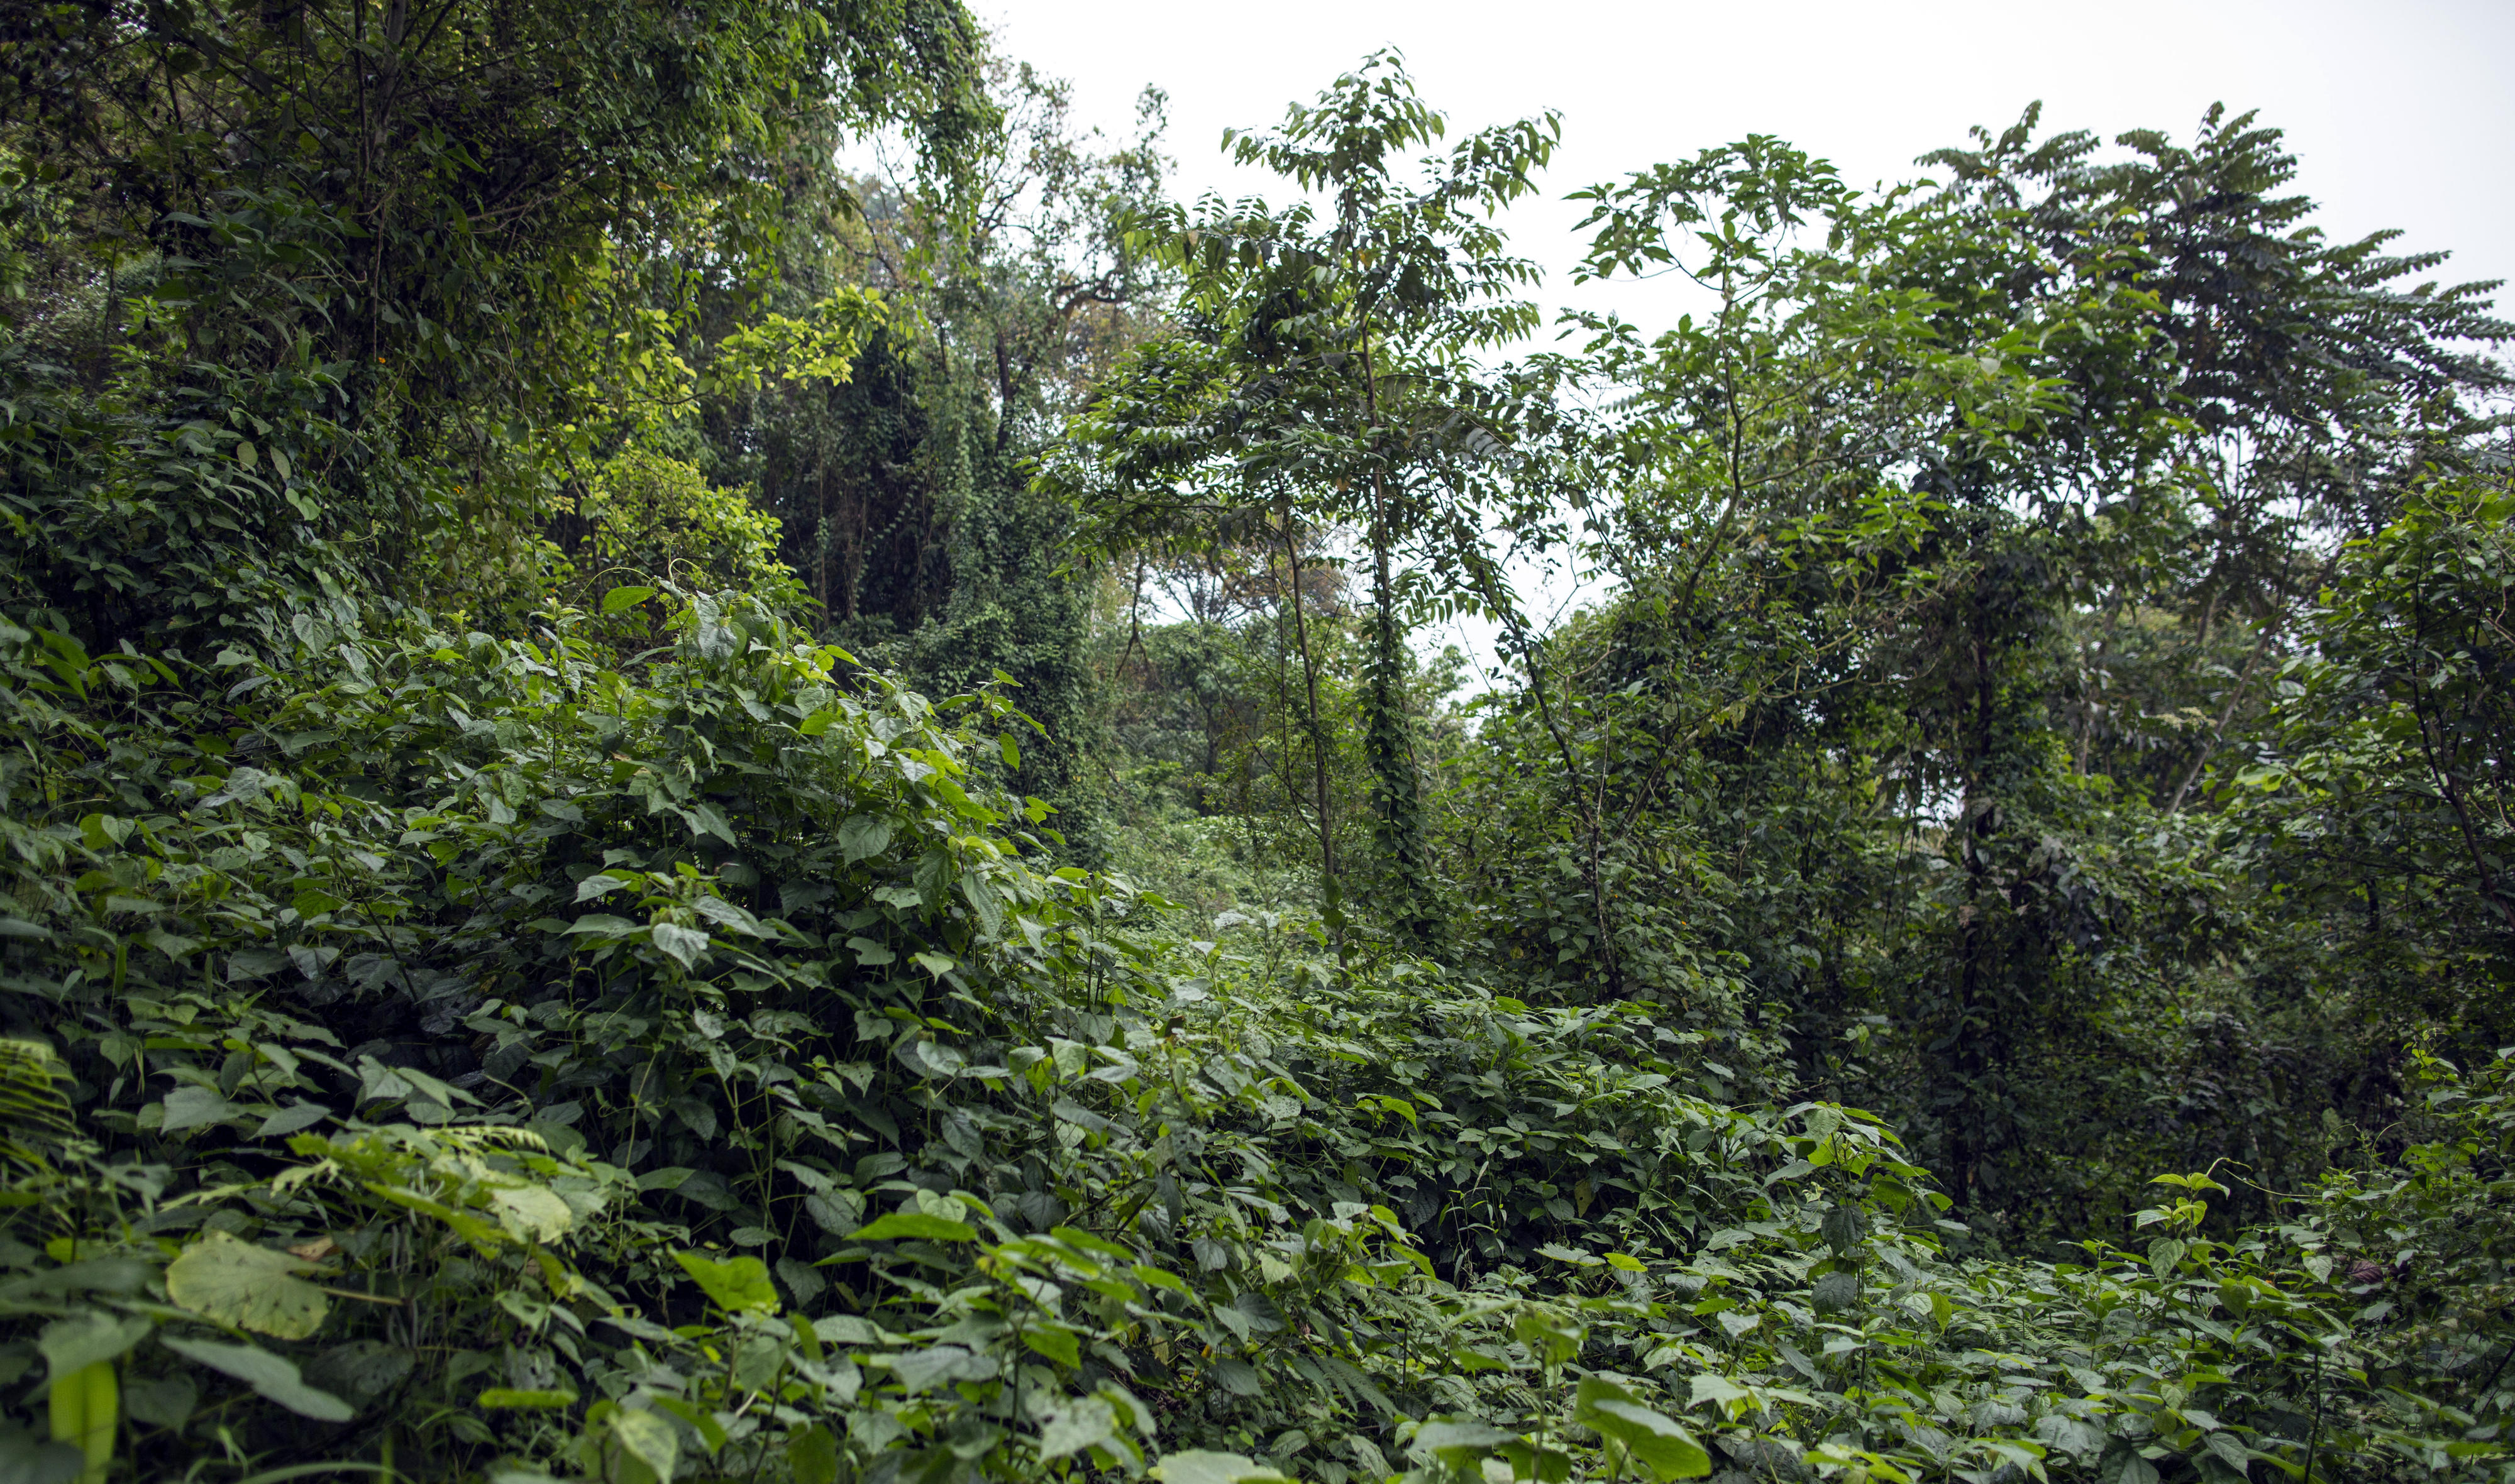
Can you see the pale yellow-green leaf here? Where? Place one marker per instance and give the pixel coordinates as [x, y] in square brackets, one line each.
[531, 1213]
[84, 1407]
[254, 1288]
[649, 1447]
[1196, 1466]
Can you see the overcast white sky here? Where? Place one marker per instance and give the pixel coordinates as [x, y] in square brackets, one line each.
[2403, 114]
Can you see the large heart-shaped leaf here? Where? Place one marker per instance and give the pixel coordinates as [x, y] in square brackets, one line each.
[251, 1287]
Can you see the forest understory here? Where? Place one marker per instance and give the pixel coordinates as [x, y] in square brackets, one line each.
[674, 812]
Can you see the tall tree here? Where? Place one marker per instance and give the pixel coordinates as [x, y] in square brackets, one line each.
[2182, 392]
[387, 264]
[1321, 374]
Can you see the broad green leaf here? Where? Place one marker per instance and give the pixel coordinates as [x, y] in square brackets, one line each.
[1528, 1460]
[863, 836]
[1647, 1435]
[278, 1380]
[600, 883]
[191, 1107]
[707, 819]
[249, 1286]
[835, 1213]
[903, 1225]
[1553, 1334]
[812, 1453]
[2164, 1255]
[921, 1371]
[1461, 1441]
[1058, 1345]
[1079, 1423]
[703, 1420]
[530, 1213]
[738, 1284]
[377, 1080]
[89, 1337]
[28, 1458]
[724, 913]
[465, 1224]
[292, 1119]
[649, 1440]
[1845, 1227]
[621, 600]
[685, 945]
[1160, 1278]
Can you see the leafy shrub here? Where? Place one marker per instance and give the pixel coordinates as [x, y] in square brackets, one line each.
[652, 518]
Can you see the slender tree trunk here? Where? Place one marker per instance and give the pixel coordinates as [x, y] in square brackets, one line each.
[1387, 736]
[1971, 1053]
[2439, 759]
[1318, 741]
[2226, 714]
[1532, 659]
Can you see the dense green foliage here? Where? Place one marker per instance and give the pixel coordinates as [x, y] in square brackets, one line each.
[673, 814]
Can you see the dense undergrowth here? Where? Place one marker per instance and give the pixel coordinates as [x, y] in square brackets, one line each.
[494, 989]
[463, 1054]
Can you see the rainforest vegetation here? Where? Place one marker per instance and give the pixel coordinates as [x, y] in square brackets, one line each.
[726, 760]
